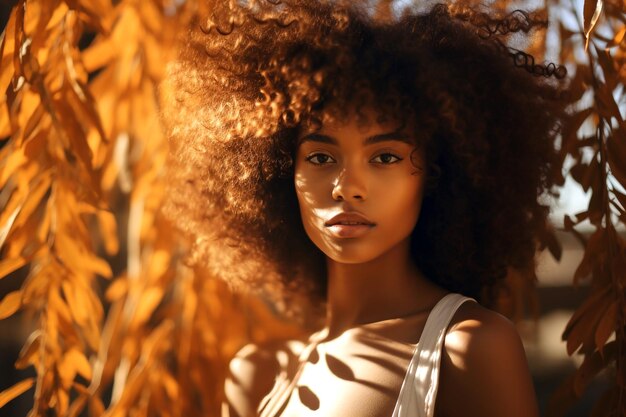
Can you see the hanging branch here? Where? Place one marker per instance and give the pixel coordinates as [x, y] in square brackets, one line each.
[602, 315]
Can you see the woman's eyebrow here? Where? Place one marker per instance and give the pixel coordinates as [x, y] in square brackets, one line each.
[383, 137]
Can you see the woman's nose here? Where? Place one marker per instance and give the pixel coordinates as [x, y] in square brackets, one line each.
[350, 185]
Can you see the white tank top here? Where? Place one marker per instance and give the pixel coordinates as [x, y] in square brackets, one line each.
[419, 388]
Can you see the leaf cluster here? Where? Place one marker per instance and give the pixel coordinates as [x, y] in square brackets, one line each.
[122, 326]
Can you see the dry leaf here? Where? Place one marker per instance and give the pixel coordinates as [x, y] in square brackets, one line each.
[592, 11]
[10, 304]
[15, 391]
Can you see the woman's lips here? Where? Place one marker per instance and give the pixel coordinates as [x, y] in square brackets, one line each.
[349, 230]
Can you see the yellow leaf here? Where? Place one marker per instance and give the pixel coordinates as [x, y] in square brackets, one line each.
[74, 131]
[6, 53]
[150, 299]
[67, 372]
[58, 15]
[10, 304]
[11, 164]
[6, 225]
[99, 54]
[117, 289]
[96, 406]
[63, 401]
[30, 351]
[618, 38]
[77, 305]
[74, 361]
[78, 404]
[9, 265]
[5, 123]
[100, 9]
[37, 191]
[80, 259]
[15, 391]
[34, 123]
[92, 333]
[159, 264]
[171, 385]
[108, 227]
[59, 306]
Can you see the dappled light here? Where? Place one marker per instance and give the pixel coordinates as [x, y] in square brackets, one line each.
[129, 315]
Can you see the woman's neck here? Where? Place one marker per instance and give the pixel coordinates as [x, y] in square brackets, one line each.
[387, 287]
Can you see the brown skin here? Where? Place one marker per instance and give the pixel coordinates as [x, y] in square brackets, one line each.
[360, 358]
[370, 277]
[483, 371]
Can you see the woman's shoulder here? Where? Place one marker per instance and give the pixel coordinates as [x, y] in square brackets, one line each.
[253, 370]
[483, 361]
[475, 326]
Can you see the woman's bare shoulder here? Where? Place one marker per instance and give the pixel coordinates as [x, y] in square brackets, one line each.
[252, 373]
[484, 363]
[479, 325]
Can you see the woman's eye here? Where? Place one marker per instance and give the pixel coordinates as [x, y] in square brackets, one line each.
[320, 157]
[387, 158]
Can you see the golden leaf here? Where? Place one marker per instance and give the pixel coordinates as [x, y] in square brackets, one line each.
[96, 407]
[149, 300]
[78, 258]
[62, 401]
[15, 391]
[10, 164]
[9, 265]
[78, 404]
[59, 13]
[76, 304]
[91, 332]
[73, 130]
[59, 306]
[159, 263]
[30, 351]
[618, 38]
[5, 123]
[7, 48]
[108, 227]
[39, 187]
[100, 10]
[10, 304]
[117, 289]
[101, 52]
[75, 361]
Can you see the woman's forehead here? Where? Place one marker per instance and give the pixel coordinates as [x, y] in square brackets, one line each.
[364, 117]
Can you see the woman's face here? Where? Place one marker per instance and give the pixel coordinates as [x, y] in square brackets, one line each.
[364, 169]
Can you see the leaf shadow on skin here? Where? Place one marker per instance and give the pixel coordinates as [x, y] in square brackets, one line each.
[308, 398]
[311, 395]
[343, 371]
[383, 363]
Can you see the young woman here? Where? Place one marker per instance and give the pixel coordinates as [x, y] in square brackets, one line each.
[388, 171]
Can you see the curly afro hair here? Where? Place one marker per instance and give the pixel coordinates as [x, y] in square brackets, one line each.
[250, 76]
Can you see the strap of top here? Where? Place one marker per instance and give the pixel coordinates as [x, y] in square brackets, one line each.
[419, 388]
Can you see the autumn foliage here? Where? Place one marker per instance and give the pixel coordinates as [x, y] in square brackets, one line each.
[122, 326]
